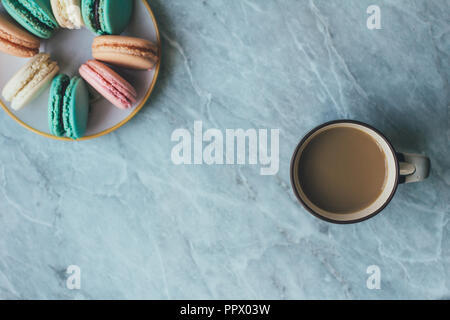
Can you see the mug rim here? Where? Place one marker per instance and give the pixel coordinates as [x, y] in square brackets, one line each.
[317, 215]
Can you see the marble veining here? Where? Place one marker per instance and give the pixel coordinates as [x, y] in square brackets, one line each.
[140, 227]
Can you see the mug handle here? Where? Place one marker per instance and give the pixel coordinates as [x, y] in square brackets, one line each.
[413, 167]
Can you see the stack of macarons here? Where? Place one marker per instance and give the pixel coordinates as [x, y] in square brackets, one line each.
[68, 106]
[43, 17]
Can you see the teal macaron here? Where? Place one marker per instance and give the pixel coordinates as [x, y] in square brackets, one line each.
[34, 15]
[68, 107]
[107, 17]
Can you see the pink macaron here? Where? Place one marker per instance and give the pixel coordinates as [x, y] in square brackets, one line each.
[109, 84]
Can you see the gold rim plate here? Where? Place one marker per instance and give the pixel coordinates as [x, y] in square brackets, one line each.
[121, 123]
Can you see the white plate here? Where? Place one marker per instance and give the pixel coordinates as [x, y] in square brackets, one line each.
[71, 48]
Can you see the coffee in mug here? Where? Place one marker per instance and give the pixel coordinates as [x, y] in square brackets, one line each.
[346, 171]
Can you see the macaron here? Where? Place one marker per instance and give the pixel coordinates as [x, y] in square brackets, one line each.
[67, 13]
[128, 52]
[30, 81]
[107, 16]
[109, 84]
[68, 107]
[34, 15]
[16, 41]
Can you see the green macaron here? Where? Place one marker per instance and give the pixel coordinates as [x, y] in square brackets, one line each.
[107, 17]
[68, 107]
[34, 15]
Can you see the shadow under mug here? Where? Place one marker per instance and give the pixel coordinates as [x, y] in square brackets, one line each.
[400, 167]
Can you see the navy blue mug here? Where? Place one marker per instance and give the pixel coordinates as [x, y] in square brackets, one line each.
[400, 168]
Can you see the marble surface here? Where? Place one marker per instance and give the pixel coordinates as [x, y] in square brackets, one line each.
[140, 227]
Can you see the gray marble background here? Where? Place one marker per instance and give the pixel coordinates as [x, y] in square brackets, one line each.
[141, 227]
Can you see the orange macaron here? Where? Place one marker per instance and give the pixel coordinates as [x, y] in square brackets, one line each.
[16, 41]
[127, 52]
